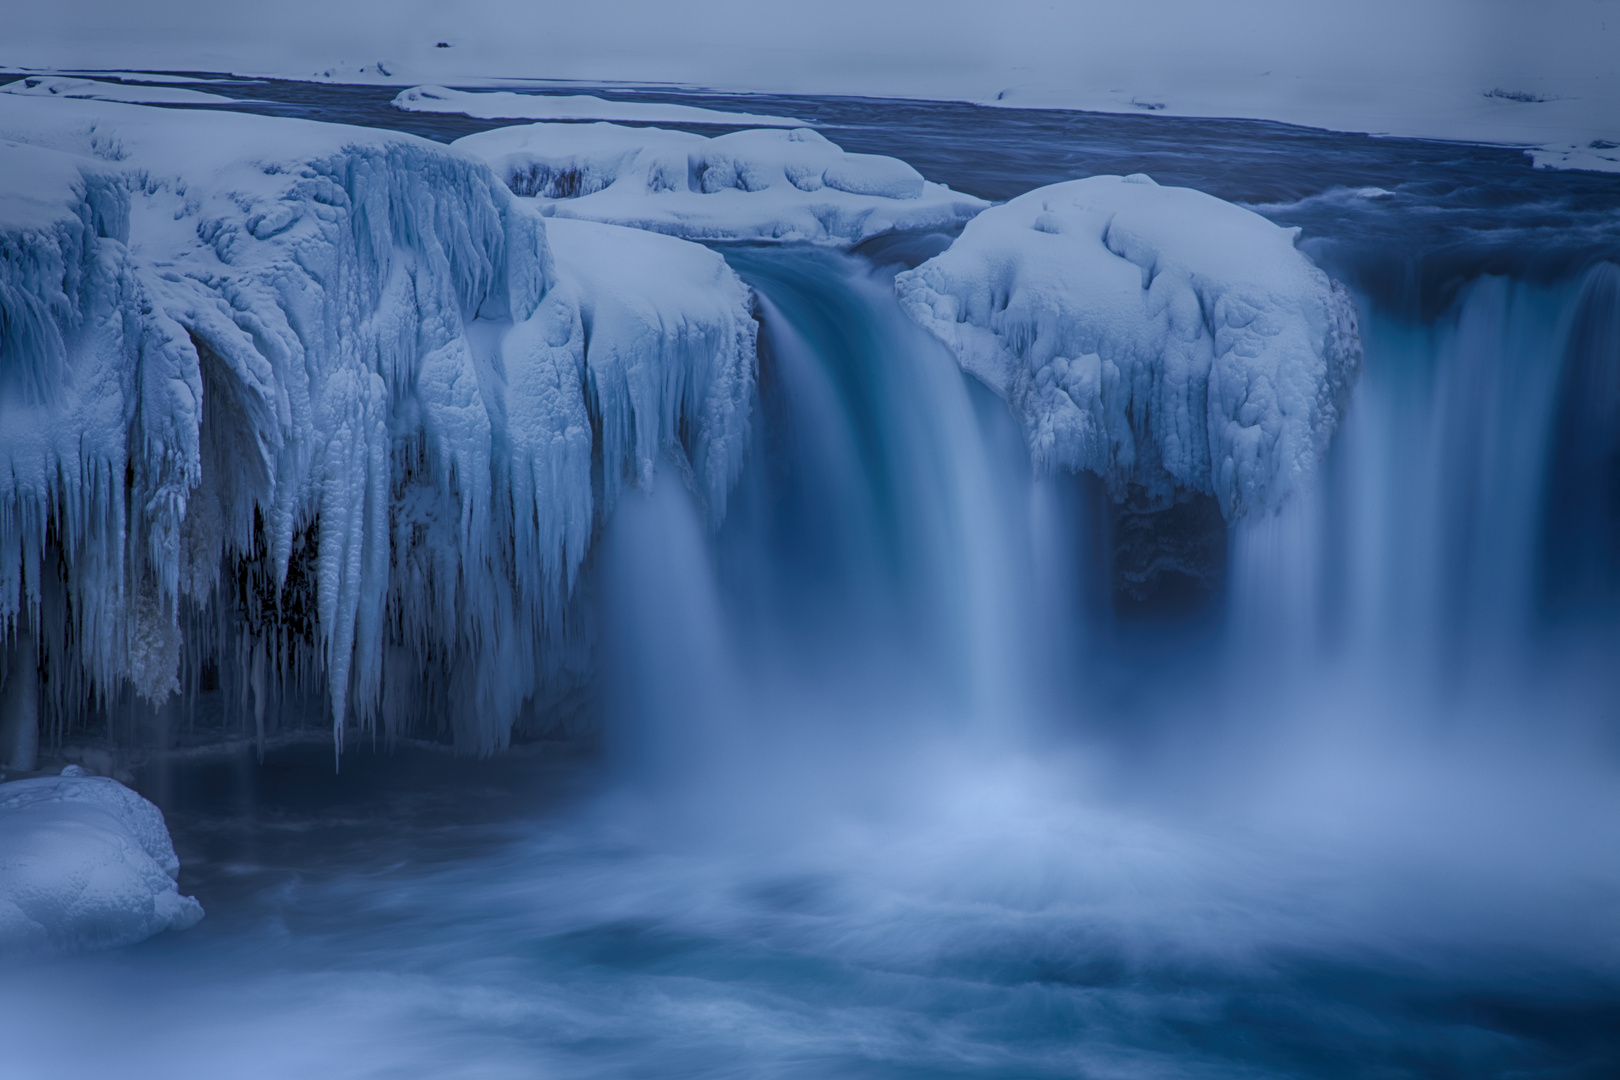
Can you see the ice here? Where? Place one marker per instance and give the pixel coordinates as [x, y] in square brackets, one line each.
[71, 87]
[505, 105]
[746, 185]
[84, 863]
[311, 402]
[1156, 336]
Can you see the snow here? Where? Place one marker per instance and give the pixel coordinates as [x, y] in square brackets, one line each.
[758, 184]
[505, 105]
[1598, 155]
[1155, 336]
[1403, 67]
[313, 399]
[69, 87]
[84, 863]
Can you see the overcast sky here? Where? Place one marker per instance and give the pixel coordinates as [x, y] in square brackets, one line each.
[1243, 57]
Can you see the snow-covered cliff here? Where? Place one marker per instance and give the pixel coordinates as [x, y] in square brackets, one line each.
[319, 400]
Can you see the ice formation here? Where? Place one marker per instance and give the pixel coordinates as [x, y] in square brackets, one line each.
[505, 105]
[84, 863]
[315, 404]
[744, 185]
[1157, 336]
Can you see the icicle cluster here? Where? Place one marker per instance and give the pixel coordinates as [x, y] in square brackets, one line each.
[317, 404]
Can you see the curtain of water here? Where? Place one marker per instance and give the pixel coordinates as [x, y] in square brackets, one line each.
[1473, 473]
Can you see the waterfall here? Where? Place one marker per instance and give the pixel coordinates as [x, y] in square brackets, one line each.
[1466, 515]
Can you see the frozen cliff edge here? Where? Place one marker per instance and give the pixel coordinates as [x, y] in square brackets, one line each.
[1156, 336]
[315, 404]
[760, 185]
[85, 863]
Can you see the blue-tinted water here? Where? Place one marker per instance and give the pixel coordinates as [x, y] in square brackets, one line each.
[890, 787]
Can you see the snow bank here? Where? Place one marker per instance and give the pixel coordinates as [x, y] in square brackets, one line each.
[745, 185]
[505, 105]
[69, 87]
[311, 402]
[1156, 336]
[85, 863]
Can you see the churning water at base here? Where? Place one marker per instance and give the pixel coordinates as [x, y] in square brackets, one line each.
[891, 786]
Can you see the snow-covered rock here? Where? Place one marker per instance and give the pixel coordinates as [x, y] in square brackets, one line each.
[505, 105]
[744, 185]
[1156, 336]
[84, 863]
[314, 399]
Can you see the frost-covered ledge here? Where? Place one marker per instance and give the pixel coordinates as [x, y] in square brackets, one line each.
[757, 185]
[1156, 336]
[312, 406]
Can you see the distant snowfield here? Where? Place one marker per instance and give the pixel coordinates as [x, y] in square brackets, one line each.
[505, 105]
[98, 90]
[1538, 75]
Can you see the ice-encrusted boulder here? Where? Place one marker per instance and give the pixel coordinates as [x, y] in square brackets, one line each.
[85, 863]
[744, 185]
[314, 400]
[1157, 336]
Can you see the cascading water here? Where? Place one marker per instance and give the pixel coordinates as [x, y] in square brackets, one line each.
[899, 782]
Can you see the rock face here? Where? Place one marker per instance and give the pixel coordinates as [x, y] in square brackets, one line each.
[85, 863]
[1159, 337]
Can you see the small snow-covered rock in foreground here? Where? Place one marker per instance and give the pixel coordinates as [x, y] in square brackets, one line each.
[1156, 336]
[744, 185]
[85, 863]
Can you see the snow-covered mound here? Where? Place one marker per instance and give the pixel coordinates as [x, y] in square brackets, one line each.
[505, 105]
[667, 321]
[744, 185]
[1156, 336]
[85, 863]
[311, 402]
